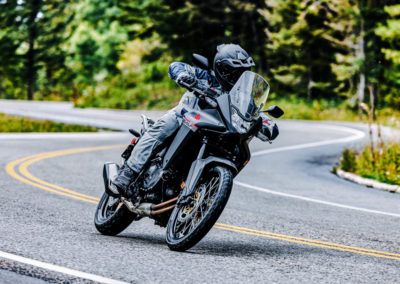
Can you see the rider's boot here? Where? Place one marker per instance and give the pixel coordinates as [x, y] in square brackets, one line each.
[125, 176]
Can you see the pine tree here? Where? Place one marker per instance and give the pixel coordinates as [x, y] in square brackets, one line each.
[303, 45]
[390, 34]
[32, 32]
[199, 26]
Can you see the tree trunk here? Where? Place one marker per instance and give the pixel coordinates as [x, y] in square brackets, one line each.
[310, 83]
[32, 34]
[259, 46]
[360, 54]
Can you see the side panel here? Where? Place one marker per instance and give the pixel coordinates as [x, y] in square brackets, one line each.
[182, 137]
[209, 119]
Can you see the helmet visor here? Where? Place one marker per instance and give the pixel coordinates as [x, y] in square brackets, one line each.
[231, 74]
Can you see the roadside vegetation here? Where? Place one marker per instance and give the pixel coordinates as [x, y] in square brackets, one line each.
[20, 124]
[382, 165]
[319, 56]
[379, 160]
[296, 108]
[324, 60]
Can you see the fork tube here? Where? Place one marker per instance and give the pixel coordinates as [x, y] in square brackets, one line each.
[202, 149]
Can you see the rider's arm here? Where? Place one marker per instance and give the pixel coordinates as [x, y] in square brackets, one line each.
[178, 70]
[269, 130]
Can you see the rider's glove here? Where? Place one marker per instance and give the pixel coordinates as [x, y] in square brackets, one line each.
[186, 78]
[269, 130]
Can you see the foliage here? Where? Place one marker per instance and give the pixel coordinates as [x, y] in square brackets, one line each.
[390, 34]
[302, 35]
[31, 33]
[108, 53]
[382, 165]
[298, 108]
[348, 161]
[20, 124]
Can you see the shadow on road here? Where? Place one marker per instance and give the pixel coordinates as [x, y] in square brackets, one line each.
[229, 248]
[261, 248]
[144, 239]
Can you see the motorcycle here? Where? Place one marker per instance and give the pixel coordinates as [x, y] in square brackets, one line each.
[188, 180]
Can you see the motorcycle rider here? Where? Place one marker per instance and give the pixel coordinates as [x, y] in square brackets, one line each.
[230, 62]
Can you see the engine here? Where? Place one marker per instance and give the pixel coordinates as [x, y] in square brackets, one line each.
[151, 177]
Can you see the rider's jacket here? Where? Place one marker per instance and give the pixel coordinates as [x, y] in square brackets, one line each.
[269, 130]
[204, 77]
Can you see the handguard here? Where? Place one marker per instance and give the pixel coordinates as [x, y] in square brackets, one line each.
[269, 130]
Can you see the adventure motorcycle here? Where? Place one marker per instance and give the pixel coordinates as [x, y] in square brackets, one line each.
[187, 182]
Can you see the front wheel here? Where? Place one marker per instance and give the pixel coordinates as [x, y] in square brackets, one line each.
[189, 224]
[112, 216]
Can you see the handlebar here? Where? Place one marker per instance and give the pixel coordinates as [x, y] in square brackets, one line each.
[205, 94]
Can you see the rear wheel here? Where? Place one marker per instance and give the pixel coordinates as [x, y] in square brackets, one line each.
[112, 216]
[189, 224]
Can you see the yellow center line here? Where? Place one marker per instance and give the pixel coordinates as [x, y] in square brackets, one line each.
[302, 239]
[312, 243]
[26, 177]
[32, 180]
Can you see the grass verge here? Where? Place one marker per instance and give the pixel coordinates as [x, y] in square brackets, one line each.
[10, 123]
[329, 110]
[382, 165]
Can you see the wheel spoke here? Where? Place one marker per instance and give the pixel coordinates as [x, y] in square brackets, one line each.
[194, 214]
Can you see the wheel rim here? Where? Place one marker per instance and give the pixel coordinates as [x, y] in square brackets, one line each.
[108, 207]
[190, 216]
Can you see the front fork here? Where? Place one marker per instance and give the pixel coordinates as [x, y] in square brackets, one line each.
[195, 172]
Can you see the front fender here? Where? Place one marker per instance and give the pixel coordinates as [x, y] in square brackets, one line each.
[197, 169]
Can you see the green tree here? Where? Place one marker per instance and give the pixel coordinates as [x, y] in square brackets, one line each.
[303, 46]
[31, 34]
[96, 42]
[199, 26]
[390, 34]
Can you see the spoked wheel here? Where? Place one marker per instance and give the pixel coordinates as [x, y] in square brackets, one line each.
[112, 216]
[189, 224]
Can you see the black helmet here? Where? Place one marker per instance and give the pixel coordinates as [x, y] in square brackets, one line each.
[229, 63]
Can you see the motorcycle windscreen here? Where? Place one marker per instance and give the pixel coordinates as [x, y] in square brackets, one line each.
[249, 94]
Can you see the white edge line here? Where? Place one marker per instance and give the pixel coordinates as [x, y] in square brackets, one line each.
[357, 134]
[314, 200]
[59, 269]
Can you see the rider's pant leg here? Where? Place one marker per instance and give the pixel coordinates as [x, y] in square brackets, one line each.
[152, 138]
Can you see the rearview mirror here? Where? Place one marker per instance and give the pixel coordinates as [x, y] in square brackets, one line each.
[200, 61]
[274, 111]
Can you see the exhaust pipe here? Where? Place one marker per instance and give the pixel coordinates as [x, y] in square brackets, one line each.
[150, 209]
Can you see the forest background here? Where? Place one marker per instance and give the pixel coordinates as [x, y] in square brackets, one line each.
[323, 59]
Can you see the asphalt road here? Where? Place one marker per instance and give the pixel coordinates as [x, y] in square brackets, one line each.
[288, 219]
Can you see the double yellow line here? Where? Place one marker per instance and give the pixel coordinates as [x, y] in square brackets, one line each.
[25, 176]
[307, 241]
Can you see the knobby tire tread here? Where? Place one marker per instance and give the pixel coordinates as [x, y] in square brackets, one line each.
[118, 222]
[211, 217]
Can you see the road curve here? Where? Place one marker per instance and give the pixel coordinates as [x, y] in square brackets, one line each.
[288, 219]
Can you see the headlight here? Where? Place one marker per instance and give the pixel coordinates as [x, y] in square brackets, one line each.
[240, 125]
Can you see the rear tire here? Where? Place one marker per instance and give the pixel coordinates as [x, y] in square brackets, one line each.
[215, 185]
[112, 216]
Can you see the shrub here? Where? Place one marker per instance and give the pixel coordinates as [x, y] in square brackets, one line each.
[20, 124]
[348, 162]
[382, 165]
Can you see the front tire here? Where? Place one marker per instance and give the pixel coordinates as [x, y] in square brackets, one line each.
[189, 224]
[112, 216]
